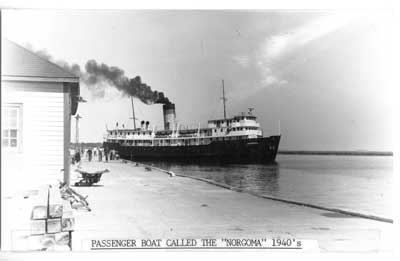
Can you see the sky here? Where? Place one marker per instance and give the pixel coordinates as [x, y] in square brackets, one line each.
[322, 79]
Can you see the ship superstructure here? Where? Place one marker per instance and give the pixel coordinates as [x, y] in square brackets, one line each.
[236, 139]
[236, 128]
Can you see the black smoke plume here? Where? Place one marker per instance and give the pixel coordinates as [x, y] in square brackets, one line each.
[97, 76]
[96, 73]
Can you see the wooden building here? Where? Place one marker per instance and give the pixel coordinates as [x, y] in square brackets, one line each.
[37, 101]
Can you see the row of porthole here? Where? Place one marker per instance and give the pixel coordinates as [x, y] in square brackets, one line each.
[201, 140]
[133, 133]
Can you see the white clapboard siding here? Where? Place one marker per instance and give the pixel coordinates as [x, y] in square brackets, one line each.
[42, 147]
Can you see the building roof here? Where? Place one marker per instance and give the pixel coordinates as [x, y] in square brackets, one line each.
[20, 62]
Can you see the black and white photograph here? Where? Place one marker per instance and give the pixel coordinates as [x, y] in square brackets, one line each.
[197, 130]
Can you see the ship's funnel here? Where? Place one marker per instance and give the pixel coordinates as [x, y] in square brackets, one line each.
[169, 115]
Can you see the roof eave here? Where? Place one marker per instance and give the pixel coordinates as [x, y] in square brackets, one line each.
[39, 79]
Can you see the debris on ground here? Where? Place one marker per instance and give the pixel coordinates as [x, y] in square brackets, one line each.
[76, 200]
[171, 174]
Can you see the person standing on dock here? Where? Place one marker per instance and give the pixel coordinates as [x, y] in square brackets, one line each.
[111, 154]
[78, 157]
[106, 153]
[89, 152]
[100, 155]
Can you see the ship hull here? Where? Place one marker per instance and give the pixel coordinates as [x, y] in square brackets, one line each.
[258, 150]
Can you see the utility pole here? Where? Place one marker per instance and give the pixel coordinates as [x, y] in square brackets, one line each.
[77, 117]
[223, 98]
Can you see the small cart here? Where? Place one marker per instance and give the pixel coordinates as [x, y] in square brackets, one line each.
[89, 178]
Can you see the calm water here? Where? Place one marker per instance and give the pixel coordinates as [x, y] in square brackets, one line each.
[356, 183]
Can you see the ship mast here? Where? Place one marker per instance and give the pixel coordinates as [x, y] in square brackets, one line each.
[223, 98]
[133, 115]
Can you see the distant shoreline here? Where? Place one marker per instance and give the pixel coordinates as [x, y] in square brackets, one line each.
[336, 153]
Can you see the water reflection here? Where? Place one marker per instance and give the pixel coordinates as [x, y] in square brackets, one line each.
[262, 179]
[362, 184]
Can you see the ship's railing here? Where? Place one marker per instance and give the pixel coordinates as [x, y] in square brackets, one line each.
[149, 137]
[138, 137]
[187, 141]
[130, 137]
[242, 123]
[218, 133]
[245, 123]
[245, 132]
[237, 133]
[214, 125]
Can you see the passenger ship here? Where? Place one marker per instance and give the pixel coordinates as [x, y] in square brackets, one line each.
[229, 140]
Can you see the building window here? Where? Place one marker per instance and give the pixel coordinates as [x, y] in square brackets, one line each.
[11, 126]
